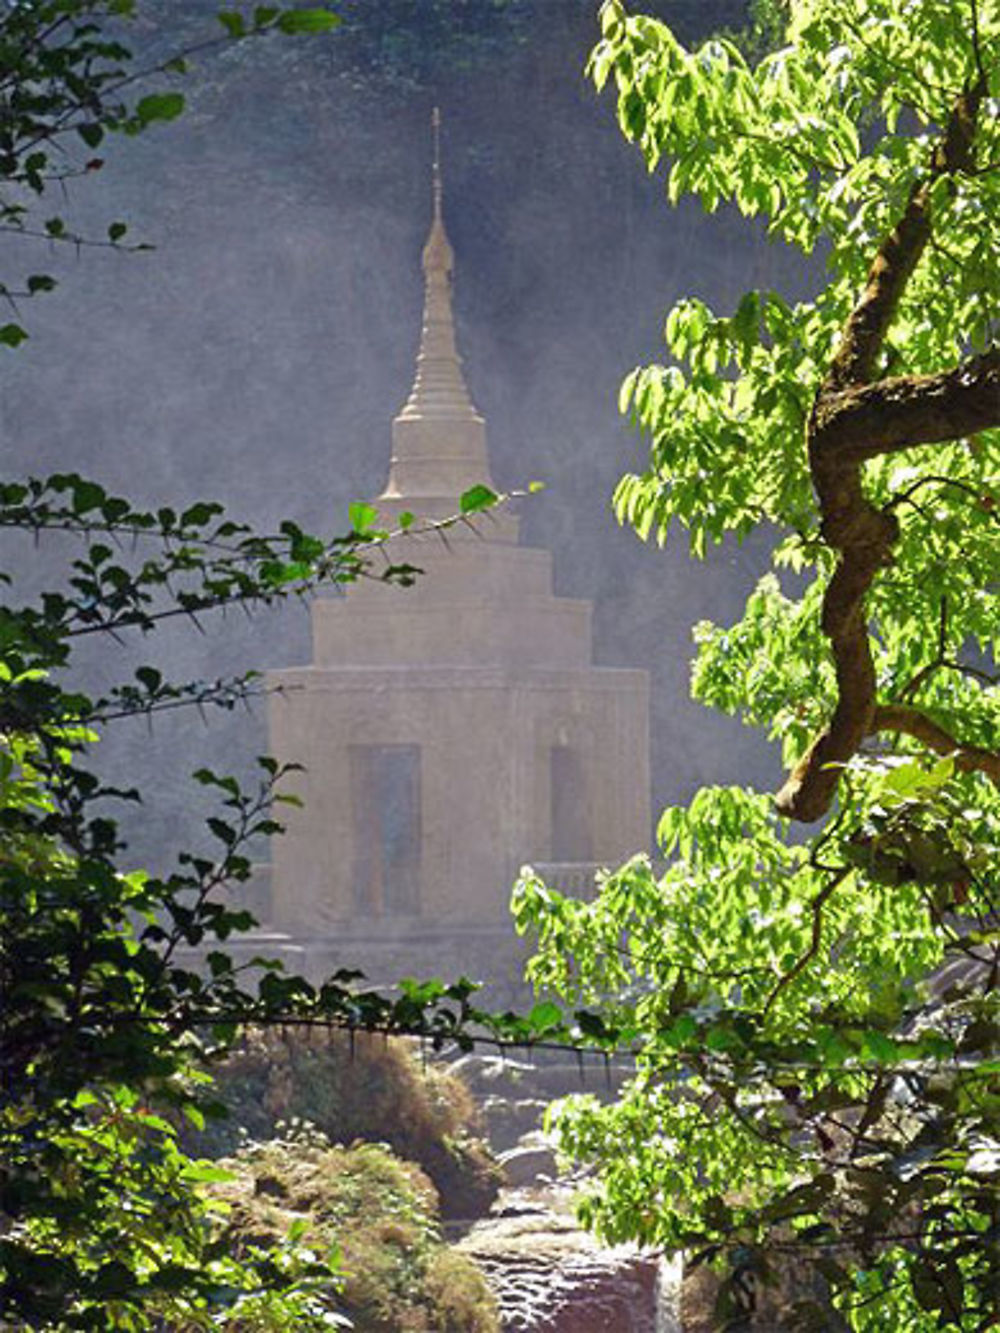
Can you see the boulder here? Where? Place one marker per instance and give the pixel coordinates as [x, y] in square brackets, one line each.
[484, 1074]
[551, 1277]
[507, 1119]
[529, 1164]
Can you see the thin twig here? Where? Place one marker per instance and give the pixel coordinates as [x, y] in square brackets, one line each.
[816, 907]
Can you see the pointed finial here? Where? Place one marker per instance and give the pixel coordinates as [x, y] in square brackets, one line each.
[437, 251]
[436, 126]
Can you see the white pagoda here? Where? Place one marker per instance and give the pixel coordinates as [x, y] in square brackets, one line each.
[453, 731]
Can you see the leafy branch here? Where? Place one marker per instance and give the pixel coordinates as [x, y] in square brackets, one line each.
[854, 420]
[66, 74]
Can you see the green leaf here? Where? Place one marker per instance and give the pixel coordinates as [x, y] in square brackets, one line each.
[233, 22]
[197, 515]
[362, 516]
[477, 499]
[12, 335]
[206, 1173]
[545, 1015]
[308, 20]
[87, 496]
[159, 106]
[194, 1115]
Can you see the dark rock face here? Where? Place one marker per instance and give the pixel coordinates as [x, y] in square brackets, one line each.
[774, 1307]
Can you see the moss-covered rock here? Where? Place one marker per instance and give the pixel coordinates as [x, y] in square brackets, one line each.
[378, 1212]
[372, 1089]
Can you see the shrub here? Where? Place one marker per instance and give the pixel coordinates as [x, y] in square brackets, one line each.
[375, 1090]
[379, 1212]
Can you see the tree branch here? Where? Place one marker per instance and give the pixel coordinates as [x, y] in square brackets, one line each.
[912, 722]
[853, 420]
[868, 420]
[815, 936]
[864, 536]
[900, 251]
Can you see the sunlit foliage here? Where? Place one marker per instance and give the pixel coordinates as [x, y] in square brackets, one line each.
[817, 1018]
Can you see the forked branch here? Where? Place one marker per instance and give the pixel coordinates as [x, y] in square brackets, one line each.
[854, 419]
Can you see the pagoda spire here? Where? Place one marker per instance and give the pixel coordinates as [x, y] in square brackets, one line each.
[439, 389]
[439, 439]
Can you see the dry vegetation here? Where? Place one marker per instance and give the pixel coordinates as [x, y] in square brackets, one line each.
[378, 1212]
[375, 1090]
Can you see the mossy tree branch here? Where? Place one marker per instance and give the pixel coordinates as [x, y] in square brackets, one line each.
[856, 418]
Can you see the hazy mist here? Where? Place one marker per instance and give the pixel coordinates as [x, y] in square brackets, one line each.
[258, 355]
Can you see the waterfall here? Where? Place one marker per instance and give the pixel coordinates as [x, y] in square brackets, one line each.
[668, 1295]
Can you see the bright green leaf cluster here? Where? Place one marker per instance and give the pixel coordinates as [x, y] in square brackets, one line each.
[816, 1019]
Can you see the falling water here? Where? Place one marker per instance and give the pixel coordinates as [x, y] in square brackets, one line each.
[668, 1296]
